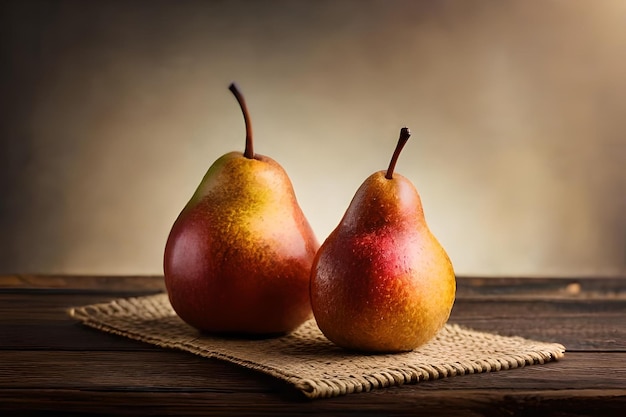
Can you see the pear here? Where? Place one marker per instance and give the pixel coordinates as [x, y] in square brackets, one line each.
[381, 282]
[239, 255]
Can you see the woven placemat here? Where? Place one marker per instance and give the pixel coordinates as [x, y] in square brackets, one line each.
[311, 363]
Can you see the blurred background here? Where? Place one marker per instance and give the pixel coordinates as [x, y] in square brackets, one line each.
[112, 111]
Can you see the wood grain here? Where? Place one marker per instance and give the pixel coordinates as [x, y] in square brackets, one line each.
[50, 364]
[174, 370]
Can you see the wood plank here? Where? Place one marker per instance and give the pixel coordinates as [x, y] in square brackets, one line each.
[29, 307]
[165, 370]
[590, 324]
[567, 287]
[40, 321]
[542, 287]
[593, 334]
[109, 382]
[69, 336]
[41, 303]
[102, 283]
[474, 402]
[50, 363]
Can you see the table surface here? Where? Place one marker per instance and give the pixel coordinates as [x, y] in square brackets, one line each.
[49, 363]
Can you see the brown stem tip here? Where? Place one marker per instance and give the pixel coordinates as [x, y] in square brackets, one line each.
[405, 134]
[249, 150]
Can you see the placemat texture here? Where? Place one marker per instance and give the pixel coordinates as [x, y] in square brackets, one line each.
[309, 361]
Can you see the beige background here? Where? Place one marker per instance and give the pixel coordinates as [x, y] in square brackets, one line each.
[112, 111]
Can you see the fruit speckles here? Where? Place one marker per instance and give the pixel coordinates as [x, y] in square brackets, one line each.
[250, 262]
[238, 256]
[381, 282]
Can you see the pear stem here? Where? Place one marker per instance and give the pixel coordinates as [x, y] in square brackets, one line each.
[249, 150]
[405, 134]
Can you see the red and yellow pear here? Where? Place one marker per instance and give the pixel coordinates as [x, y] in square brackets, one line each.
[239, 255]
[381, 282]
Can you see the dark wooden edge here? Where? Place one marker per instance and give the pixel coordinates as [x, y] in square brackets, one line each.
[467, 287]
[101, 283]
[537, 287]
[468, 402]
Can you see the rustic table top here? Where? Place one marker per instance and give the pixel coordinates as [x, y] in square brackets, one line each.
[50, 364]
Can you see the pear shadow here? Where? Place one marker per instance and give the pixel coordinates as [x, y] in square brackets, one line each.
[175, 325]
[292, 344]
[241, 336]
[334, 353]
[323, 349]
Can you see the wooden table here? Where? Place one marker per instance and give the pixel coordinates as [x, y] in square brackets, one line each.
[51, 364]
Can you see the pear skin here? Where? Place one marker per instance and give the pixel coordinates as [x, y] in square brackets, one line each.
[239, 255]
[381, 282]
